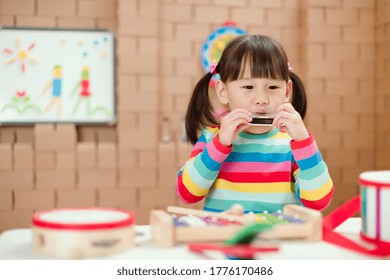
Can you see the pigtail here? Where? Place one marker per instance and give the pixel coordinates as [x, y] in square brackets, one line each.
[199, 112]
[299, 99]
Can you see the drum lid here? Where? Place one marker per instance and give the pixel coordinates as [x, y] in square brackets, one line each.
[83, 218]
[377, 179]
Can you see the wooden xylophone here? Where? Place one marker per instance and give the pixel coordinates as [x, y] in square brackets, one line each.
[182, 225]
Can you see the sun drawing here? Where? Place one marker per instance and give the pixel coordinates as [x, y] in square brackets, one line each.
[20, 54]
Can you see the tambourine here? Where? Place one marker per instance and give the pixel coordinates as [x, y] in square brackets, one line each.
[76, 233]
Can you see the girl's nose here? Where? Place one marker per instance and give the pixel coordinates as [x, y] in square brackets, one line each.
[261, 98]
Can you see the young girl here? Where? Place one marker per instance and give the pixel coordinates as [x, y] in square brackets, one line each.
[262, 168]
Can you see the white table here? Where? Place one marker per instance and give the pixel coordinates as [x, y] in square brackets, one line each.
[16, 245]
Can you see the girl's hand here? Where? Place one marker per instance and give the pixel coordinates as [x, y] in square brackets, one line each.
[288, 120]
[232, 124]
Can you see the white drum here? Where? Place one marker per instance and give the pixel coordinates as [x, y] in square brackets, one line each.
[80, 233]
[375, 207]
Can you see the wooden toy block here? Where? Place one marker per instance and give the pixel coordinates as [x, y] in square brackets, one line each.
[295, 222]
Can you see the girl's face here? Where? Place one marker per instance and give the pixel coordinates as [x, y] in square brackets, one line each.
[257, 95]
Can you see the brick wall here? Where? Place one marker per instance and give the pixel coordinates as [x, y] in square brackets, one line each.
[339, 47]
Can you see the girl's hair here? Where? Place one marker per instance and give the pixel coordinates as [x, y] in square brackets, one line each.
[267, 59]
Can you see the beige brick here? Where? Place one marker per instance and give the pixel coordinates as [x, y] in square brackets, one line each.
[45, 137]
[117, 198]
[363, 105]
[127, 158]
[6, 200]
[35, 21]
[110, 24]
[7, 135]
[141, 64]
[327, 140]
[127, 8]
[147, 159]
[266, 3]
[167, 178]
[106, 135]
[96, 179]
[66, 160]
[176, 49]
[343, 158]
[324, 34]
[24, 135]
[23, 157]
[107, 156]
[55, 180]
[358, 140]
[166, 155]
[66, 137]
[176, 13]
[341, 16]
[148, 84]
[342, 51]
[32, 200]
[324, 69]
[56, 8]
[20, 180]
[190, 32]
[76, 198]
[15, 219]
[96, 8]
[148, 46]
[149, 9]
[137, 26]
[76, 22]
[211, 14]
[20, 7]
[87, 134]
[341, 87]
[137, 178]
[324, 3]
[86, 156]
[249, 15]
[282, 17]
[156, 197]
[358, 69]
[359, 34]
[6, 157]
[341, 122]
[7, 20]
[315, 16]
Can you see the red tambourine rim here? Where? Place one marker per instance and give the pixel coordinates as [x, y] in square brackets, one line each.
[374, 240]
[38, 222]
[368, 183]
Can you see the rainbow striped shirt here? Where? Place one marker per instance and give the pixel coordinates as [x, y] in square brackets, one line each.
[262, 172]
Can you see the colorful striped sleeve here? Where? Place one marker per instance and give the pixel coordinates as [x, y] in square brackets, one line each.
[313, 184]
[198, 174]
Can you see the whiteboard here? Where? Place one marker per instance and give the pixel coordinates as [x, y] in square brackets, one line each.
[57, 75]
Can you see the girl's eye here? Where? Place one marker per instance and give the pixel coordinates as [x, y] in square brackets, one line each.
[248, 87]
[273, 87]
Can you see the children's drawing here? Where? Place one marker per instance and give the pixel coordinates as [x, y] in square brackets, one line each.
[83, 87]
[56, 90]
[20, 103]
[20, 54]
[68, 74]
